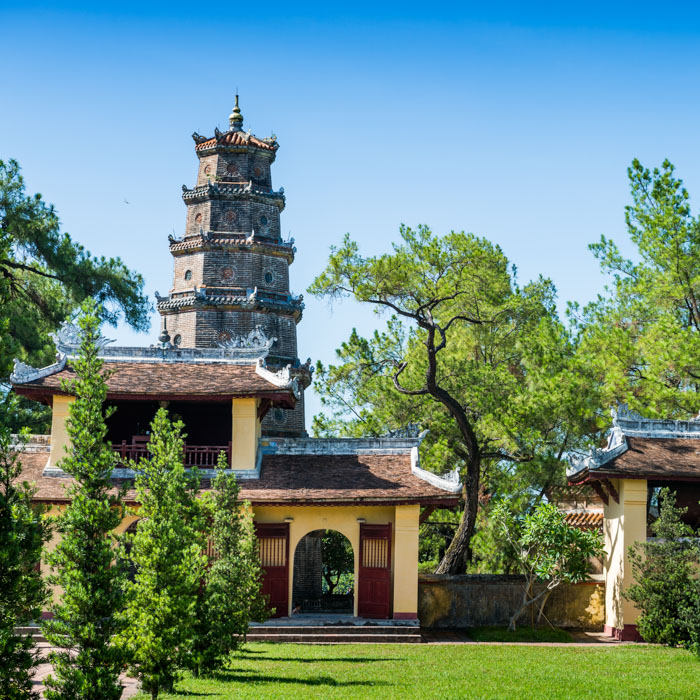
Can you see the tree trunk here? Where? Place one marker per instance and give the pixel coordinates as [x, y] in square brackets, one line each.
[455, 557]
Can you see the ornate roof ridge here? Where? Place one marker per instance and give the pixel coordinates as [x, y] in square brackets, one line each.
[628, 423]
[250, 349]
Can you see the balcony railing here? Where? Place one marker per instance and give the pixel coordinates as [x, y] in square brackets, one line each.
[195, 455]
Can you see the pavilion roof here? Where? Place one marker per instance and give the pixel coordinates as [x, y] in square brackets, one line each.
[368, 477]
[642, 448]
[167, 380]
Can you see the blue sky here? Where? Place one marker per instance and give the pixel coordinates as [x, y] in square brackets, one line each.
[515, 121]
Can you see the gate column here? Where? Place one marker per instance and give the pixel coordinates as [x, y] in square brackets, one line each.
[406, 562]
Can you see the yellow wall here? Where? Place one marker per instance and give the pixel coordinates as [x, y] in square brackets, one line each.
[59, 434]
[344, 519]
[625, 523]
[406, 559]
[246, 431]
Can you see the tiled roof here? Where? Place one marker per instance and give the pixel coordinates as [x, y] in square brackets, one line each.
[299, 479]
[653, 458]
[236, 138]
[190, 380]
[585, 520]
[380, 478]
[575, 493]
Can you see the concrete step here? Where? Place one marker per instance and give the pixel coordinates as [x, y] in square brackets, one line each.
[336, 638]
[34, 632]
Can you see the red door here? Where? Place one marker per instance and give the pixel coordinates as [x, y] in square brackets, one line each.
[273, 540]
[374, 585]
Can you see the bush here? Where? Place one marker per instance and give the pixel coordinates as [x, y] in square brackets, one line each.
[666, 589]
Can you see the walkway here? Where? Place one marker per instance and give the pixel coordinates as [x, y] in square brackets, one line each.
[44, 669]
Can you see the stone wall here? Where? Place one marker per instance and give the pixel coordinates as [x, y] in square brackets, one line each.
[483, 600]
[308, 568]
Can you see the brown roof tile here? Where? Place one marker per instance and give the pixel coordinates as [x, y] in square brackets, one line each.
[303, 479]
[653, 458]
[340, 478]
[176, 379]
[236, 138]
[585, 520]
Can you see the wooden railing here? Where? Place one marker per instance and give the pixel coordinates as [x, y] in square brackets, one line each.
[195, 455]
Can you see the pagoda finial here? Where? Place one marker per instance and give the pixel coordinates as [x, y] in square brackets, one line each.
[235, 119]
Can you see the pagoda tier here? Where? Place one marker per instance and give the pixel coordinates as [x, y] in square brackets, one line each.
[231, 266]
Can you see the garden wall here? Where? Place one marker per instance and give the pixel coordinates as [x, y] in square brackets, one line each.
[476, 600]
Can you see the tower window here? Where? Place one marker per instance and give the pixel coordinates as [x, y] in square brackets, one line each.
[257, 171]
[269, 277]
[263, 220]
[177, 340]
[188, 275]
[232, 169]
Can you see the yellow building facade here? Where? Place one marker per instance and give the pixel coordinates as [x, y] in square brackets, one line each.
[370, 490]
[641, 457]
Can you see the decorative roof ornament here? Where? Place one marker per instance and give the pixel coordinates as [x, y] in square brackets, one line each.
[282, 378]
[255, 340]
[23, 373]
[67, 339]
[235, 119]
[164, 337]
[410, 430]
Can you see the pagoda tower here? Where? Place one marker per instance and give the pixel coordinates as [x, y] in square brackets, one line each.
[231, 267]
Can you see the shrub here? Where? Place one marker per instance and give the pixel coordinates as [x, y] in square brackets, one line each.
[666, 589]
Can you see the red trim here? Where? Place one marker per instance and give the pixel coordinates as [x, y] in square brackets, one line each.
[405, 616]
[628, 633]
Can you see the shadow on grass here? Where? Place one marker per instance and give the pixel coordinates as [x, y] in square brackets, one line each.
[248, 677]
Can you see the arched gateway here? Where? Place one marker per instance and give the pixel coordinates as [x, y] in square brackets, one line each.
[227, 365]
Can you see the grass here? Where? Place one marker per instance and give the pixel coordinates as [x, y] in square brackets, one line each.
[521, 634]
[418, 671]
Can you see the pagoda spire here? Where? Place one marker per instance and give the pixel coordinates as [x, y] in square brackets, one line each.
[235, 119]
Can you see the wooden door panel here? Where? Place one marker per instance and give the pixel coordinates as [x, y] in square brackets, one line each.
[374, 584]
[273, 543]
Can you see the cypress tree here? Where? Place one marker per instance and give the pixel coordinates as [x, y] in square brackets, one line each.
[88, 663]
[231, 596]
[167, 552]
[23, 533]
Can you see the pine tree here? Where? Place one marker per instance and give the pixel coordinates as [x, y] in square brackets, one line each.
[85, 618]
[231, 596]
[167, 552]
[23, 533]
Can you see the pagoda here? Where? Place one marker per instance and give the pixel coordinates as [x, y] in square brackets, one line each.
[231, 266]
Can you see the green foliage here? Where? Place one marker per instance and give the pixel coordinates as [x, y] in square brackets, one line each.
[167, 552]
[88, 663]
[23, 533]
[467, 353]
[666, 589]
[547, 550]
[643, 336]
[231, 596]
[45, 275]
[337, 558]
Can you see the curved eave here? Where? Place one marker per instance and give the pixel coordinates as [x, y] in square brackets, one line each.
[198, 244]
[190, 303]
[274, 398]
[447, 502]
[206, 193]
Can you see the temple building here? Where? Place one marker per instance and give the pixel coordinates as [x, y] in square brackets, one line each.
[640, 458]
[226, 363]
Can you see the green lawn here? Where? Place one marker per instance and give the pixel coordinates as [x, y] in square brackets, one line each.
[451, 671]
